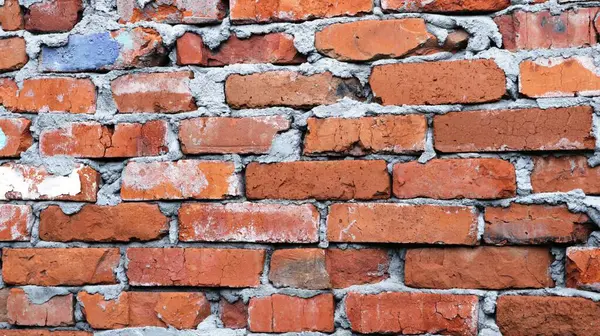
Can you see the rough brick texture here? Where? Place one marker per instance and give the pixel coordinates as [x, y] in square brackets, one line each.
[153, 92]
[463, 178]
[60, 266]
[93, 140]
[371, 40]
[547, 315]
[481, 267]
[56, 312]
[564, 173]
[535, 224]
[284, 10]
[15, 137]
[340, 180]
[433, 83]
[195, 267]
[282, 313]
[230, 135]
[93, 223]
[333, 268]
[514, 130]
[287, 89]
[386, 134]
[249, 222]
[412, 313]
[134, 309]
[50, 94]
[543, 30]
[559, 77]
[444, 6]
[400, 223]
[12, 54]
[276, 48]
[179, 180]
[283, 167]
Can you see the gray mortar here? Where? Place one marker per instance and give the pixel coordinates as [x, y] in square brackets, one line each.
[40, 295]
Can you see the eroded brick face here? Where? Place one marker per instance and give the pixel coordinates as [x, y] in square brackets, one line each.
[412, 313]
[283, 167]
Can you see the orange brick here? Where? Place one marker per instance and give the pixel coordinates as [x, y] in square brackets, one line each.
[207, 267]
[412, 313]
[485, 267]
[249, 222]
[342, 180]
[455, 178]
[400, 223]
[60, 266]
[179, 180]
[434, 83]
[281, 313]
[230, 135]
[15, 136]
[382, 134]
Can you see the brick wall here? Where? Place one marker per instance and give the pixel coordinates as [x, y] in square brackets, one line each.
[214, 167]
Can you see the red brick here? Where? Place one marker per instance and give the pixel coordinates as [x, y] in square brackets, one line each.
[583, 268]
[40, 332]
[173, 12]
[95, 223]
[482, 267]
[12, 54]
[101, 313]
[333, 268]
[559, 77]
[15, 137]
[301, 268]
[206, 267]
[547, 315]
[183, 310]
[286, 88]
[281, 313]
[356, 267]
[167, 92]
[341, 180]
[50, 94]
[60, 266]
[15, 222]
[445, 6]
[183, 179]
[22, 182]
[274, 48]
[511, 130]
[234, 315]
[455, 178]
[401, 223]
[4, 293]
[535, 224]
[56, 312]
[93, 140]
[222, 135]
[249, 222]
[369, 40]
[11, 16]
[565, 173]
[433, 83]
[387, 134]
[413, 313]
[8, 92]
[53, 16]
[246, 11]
[537, 30]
